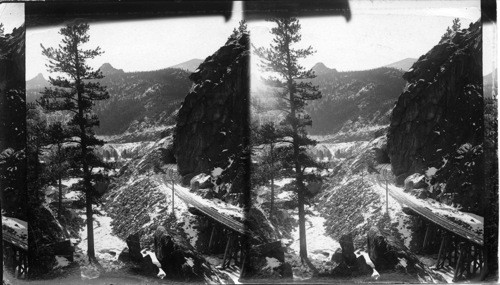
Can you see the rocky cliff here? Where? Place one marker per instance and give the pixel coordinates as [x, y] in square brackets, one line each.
[437, 124]
[212, 124]
[13, 124]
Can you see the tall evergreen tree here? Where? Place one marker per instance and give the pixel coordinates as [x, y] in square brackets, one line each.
[295, 90]
[76, 90]
[269, 134]
[57, 136]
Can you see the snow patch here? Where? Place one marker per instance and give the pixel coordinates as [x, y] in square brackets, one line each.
[431, 171]
[189, 262]
[217, 172]
[61, 261]
[272, 263]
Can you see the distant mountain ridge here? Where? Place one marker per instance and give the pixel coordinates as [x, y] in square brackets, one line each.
[139, 101]
[354, 104]
[190, 65]
[354, 100]
[403, 65]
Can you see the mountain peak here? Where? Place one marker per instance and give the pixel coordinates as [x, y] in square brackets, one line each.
[320, 68]
[37, 82]
[39, 76]
[108, 69]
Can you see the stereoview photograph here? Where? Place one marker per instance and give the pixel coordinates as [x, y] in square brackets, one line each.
[356, 146]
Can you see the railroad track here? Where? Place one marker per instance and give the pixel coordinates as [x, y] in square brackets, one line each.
[428, 214]
[213, 213]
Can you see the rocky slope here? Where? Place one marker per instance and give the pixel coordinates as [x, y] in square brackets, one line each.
[437, 125]
[150, 224]
[212, 124]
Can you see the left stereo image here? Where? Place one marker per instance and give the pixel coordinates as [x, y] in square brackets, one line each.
[15, 150]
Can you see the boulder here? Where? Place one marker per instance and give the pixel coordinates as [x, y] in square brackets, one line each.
[164, 248]
[346, 263]
[363, 267]
[337, 256]
[388, 254]
[148, 267]
[124, 255]
[415, 181]
[268, 261]
[134, 247]
[177, 260]
[382, 254]
[201, 181]
[347, 246]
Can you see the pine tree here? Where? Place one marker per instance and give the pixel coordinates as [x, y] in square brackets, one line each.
[57, 136]
[295, 90]
[269, 134]
[76, 91]
[454, 28]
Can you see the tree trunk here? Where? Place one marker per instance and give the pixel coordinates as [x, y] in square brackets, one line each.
[87, 180]
[272, 185]
[60, 199]
[296, 155]
[59, 180]
[90, 226]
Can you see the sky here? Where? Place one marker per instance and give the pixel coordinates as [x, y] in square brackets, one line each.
[11, 16]
[379, 32]
[140, 45]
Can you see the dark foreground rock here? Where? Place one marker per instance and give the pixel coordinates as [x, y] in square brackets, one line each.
[268, 261]
[134, 247]
[388, 254]
[345, 262]
[177, 261]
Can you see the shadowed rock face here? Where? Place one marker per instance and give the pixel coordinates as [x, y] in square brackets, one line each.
[12, 98]
[387, 254]
[440, 111]
[13, 124]
[213, 120]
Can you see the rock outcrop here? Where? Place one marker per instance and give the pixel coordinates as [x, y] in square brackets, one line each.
[150, 223]
[387, 254]
[212, 124]
[177, 260]
[437, 123]
[346, 262]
